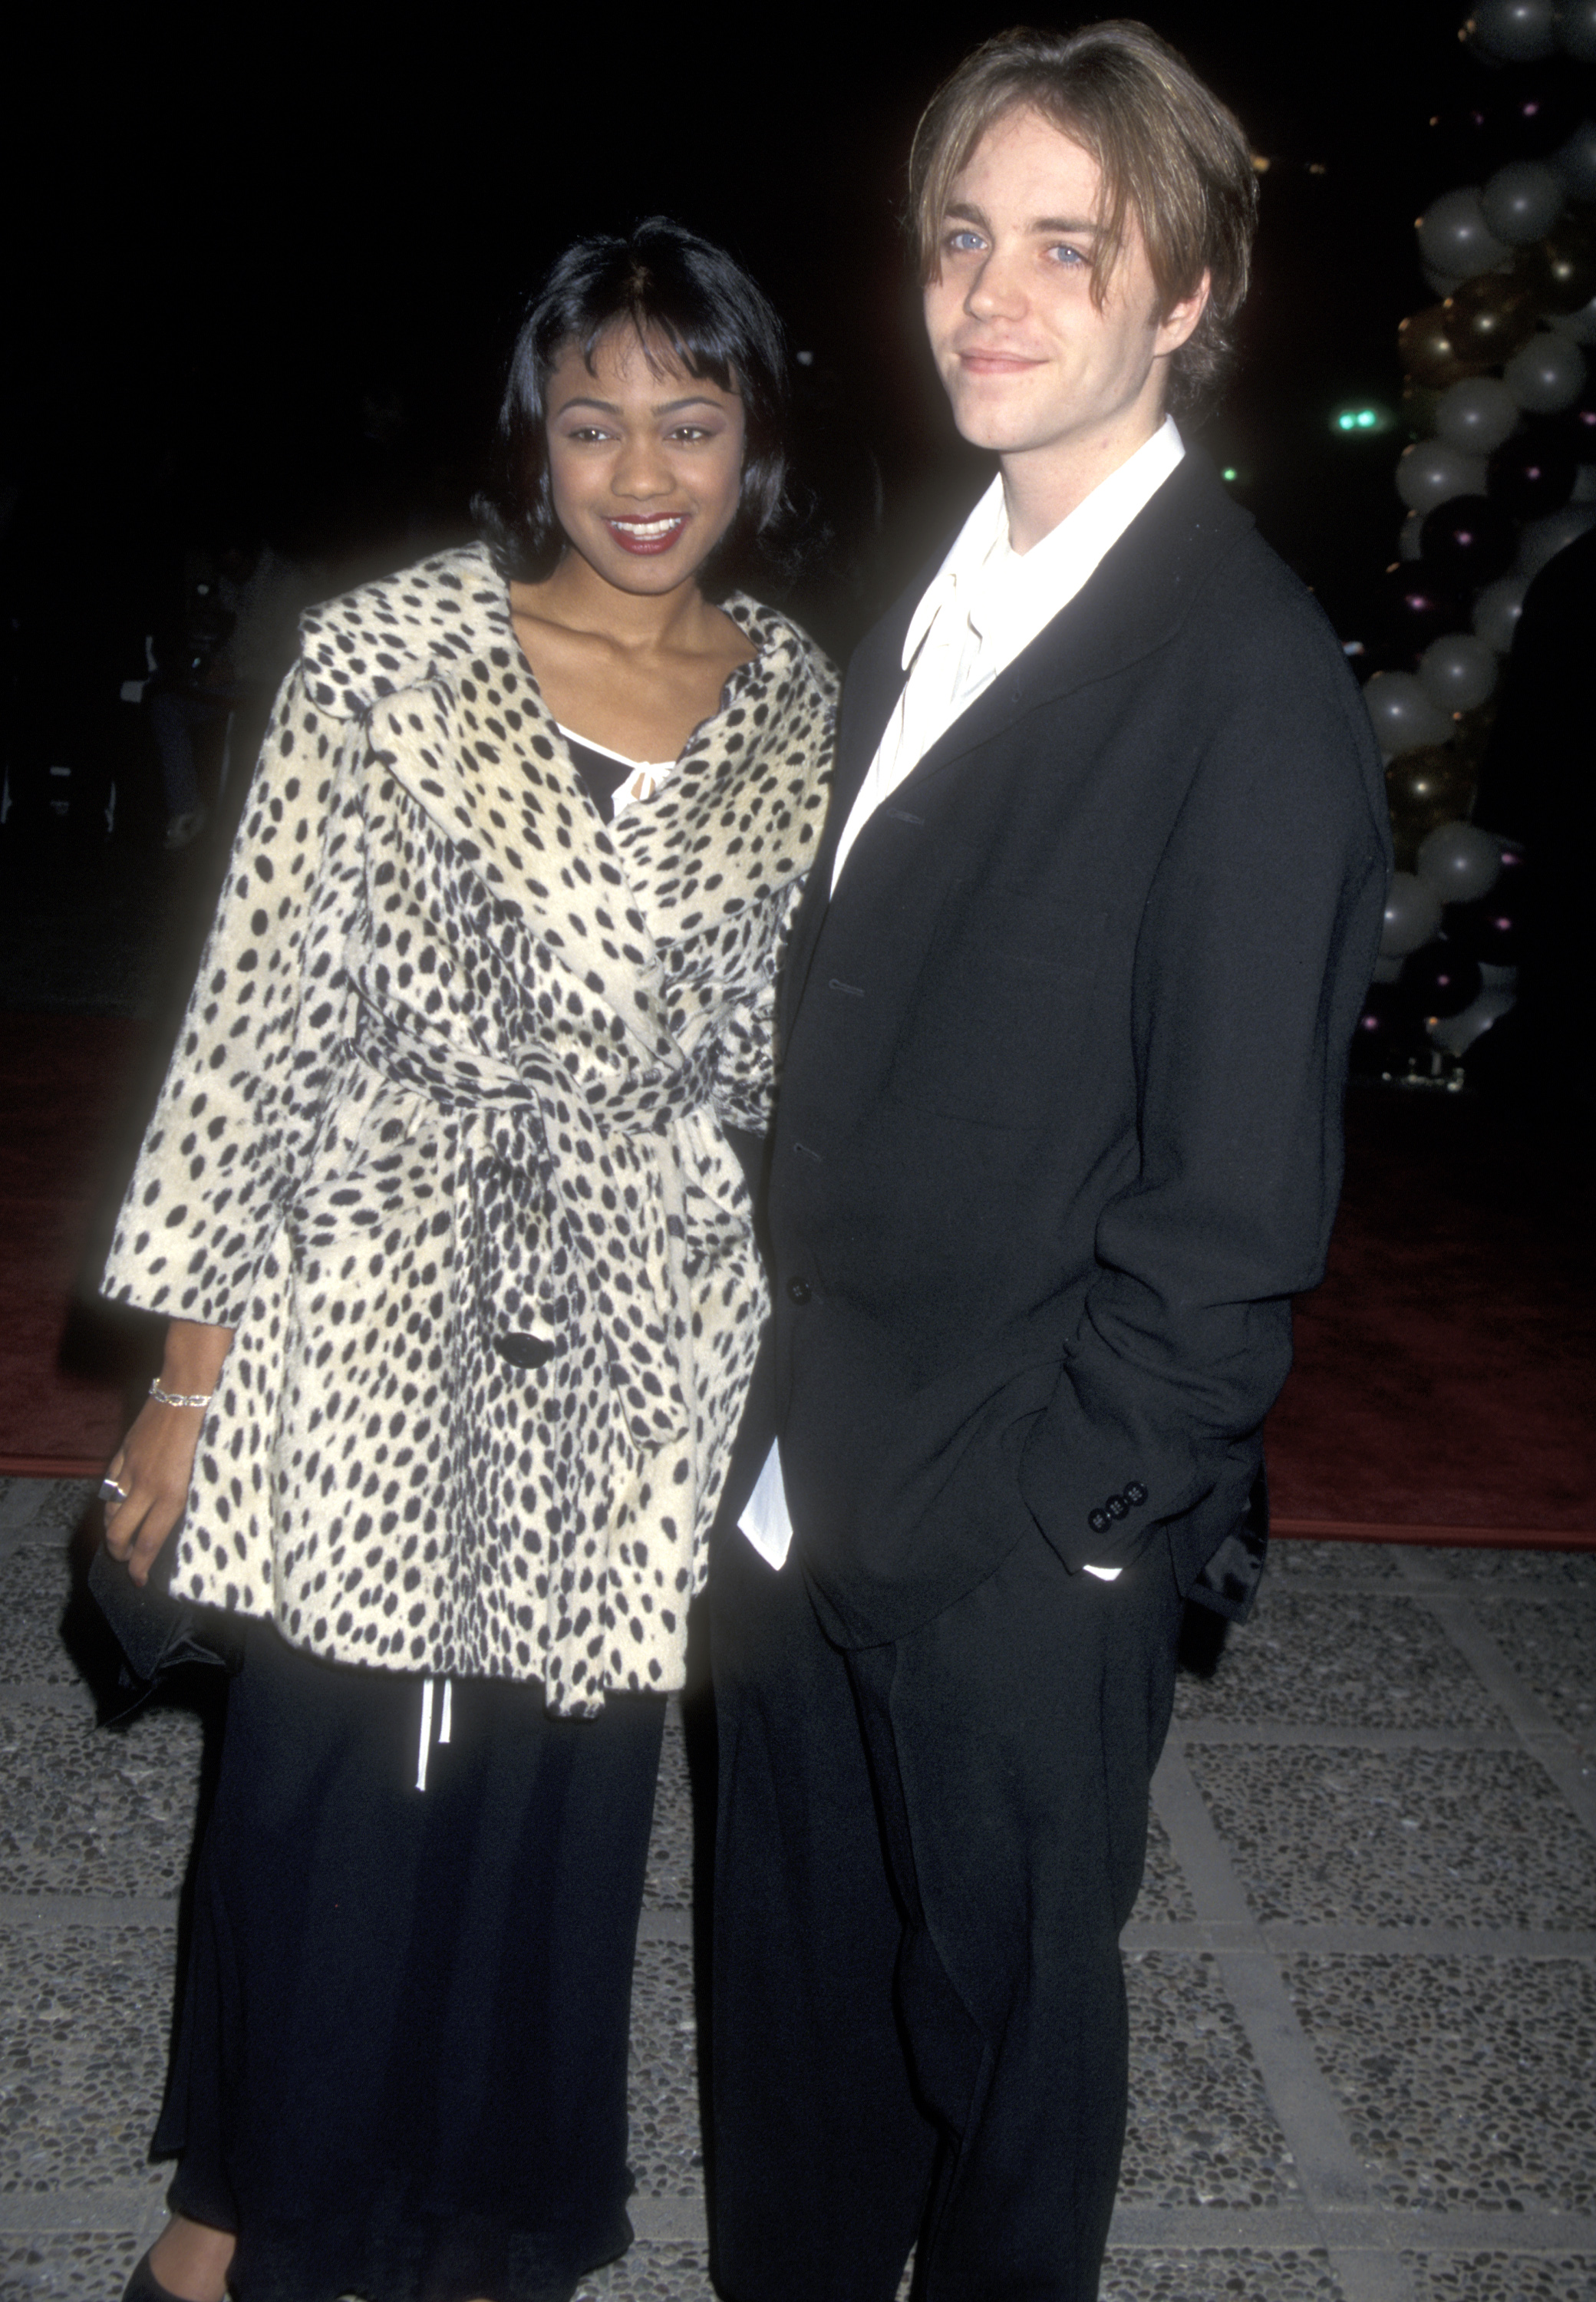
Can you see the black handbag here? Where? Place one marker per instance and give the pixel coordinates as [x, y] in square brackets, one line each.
[156, 1632]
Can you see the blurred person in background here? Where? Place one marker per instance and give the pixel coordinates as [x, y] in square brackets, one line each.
[239, 637]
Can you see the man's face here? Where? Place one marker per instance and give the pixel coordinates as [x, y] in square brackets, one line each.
[1032, 366]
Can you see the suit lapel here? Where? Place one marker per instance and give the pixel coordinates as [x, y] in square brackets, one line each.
[1130, 607]
[874, 682]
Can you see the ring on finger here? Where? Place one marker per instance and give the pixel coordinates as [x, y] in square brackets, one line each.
[111, 1491]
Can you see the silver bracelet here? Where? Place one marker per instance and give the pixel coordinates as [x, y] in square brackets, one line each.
[178, 1398]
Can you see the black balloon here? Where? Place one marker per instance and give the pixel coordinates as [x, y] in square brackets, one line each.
[1535, 120]
[1530, 475]
[1521, 117]
[1468, 541]
[1575, 430]
[1389, 1030]
[1441, 980]
[1412, 609]
[1491, 929]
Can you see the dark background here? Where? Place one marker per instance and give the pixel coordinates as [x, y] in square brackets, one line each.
[281, 261]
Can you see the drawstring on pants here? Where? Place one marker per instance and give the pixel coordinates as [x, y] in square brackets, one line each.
[425, 1747]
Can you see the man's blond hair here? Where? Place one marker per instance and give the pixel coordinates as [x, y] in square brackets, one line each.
[1167, 152]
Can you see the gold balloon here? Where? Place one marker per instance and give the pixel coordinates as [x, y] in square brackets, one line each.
[1427, 352]
[1561, 272]
[1424, 788]
[1432, 778]
[1488, 319]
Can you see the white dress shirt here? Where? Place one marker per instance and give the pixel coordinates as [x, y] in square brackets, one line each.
[984, 606]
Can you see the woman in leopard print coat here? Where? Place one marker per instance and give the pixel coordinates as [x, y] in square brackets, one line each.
[439, 1200]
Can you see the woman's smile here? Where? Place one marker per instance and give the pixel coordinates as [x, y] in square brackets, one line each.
[646, 536]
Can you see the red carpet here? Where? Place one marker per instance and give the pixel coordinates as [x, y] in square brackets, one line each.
[1445, 1372]
[68, 1090]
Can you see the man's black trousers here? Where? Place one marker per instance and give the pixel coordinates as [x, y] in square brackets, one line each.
[926, 1853]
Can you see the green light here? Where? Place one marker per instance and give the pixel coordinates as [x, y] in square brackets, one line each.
[1360, 416]
[1230, 473]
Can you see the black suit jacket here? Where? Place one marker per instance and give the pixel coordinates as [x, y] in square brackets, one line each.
[1059, 1133]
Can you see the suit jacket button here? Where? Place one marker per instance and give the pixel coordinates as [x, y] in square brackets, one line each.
[1136, 1493]
[1117, 1507]
[1098, 1521]
[799, 1291]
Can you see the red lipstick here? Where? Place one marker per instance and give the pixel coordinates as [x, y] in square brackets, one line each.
[643, 538]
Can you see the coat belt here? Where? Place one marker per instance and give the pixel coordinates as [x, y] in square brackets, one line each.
[607, 1149]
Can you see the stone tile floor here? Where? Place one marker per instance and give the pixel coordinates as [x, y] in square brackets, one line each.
[1362, 1972]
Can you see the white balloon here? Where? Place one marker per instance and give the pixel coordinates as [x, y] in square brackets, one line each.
[1543, 539]
[1579, 326]
[1476, 415]
[1429, 472]
[1457, 672]
[1411, 916]
[1455, 1034]
[1514, 31]
[1459, 862]
[1497, 612]
[1522, 202]
[1546, 375]
[1455, 238]
[1410, 536]
[1576, 30]
[1403, 713]
[1574, 162]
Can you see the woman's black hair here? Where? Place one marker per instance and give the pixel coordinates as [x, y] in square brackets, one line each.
[689, 298]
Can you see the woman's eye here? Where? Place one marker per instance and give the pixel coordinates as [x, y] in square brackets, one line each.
[962, 242]
[1063, 253]
[691, 432]
[583, 433]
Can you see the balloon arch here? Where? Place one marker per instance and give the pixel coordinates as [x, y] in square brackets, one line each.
[1500, 476]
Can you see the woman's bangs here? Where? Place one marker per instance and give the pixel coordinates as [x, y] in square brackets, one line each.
[669, 344]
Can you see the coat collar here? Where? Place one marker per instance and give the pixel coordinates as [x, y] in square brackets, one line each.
[430, 661]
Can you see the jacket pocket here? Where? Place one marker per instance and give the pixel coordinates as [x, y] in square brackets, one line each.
[1001, 1008]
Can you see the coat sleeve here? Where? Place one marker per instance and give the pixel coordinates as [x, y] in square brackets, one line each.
[1253, 954]
[241, 1099]
[745, 1062]
[746, 1058]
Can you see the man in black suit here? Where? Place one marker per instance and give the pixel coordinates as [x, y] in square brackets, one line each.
[1066, 1022]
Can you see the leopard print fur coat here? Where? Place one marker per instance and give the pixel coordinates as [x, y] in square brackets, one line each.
[441, 1142]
